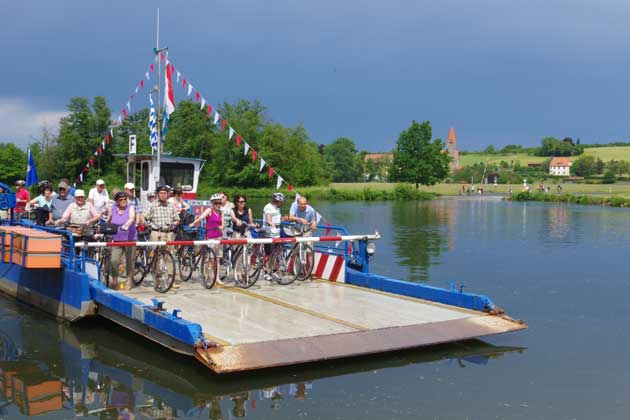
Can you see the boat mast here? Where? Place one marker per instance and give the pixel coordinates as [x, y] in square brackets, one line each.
[157, 50]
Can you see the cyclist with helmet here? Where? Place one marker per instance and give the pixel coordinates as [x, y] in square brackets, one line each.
[214, 225]
[123, 214]
[272, 217]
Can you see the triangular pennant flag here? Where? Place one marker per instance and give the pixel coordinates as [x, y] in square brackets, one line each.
[103, 144]
[81, 177]
[238, 139]
[129, 105]
[279, 182]
[197, 96]
[179, 75]
[190, 88]
[147, 75]
[137, 87]
[141, 83]
[133, 96]
[119, 120]
[99, 150]
[216, 118]
[107, 138]
[85, 168]
[124, 111]
[223, 123]
[183, 82]
[262, 164]
[254, 155]
[289, 187]
[246, 148]
[271, 171]
[91, 161]
[151, 99]
[209, 110]
[203, 103]
[152, 67]
[231, 134]
[111, 133]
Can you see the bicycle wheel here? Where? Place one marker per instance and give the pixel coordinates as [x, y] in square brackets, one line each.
[105, 267]
[163, 271]
[279, 265]
[208, 268]
[226, 267]
[304, 260]
[252, 265]
[186, 262]
[140, 269]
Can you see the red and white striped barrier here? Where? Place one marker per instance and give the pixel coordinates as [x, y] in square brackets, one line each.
[243, 241]
[330, 267]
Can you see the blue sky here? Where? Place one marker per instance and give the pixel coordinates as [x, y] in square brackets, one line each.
[499, 72]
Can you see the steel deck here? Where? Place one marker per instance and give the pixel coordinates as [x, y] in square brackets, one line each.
[273, 325]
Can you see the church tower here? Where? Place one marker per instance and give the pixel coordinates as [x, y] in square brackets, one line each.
[451, 147]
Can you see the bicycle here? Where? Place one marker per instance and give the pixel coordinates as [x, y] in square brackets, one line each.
[303, 254]
[276, 263]
[235, 266]
[159, 261]
[191, 259]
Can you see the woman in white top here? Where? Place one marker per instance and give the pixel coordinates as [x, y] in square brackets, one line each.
[177, 200]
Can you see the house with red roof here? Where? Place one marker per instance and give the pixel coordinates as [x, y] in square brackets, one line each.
[560, 166]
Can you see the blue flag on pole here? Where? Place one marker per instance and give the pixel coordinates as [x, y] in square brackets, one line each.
[31, 171]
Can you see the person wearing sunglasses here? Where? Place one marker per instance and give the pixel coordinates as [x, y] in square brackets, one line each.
[124, 216]
[214, 225]
[241, 216]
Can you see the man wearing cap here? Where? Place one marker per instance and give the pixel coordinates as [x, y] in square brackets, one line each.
[61, 202]
[21, 197]
[79, 212]
[132, 200]
[98, 197]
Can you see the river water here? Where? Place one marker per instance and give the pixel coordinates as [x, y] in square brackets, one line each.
[562, 269]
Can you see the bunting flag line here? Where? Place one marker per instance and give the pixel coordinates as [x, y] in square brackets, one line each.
[231, 134]
[238, 139]
[179, 75]
[223, 123]
[279, 182]
[137, 87]
[141, 83]
[197, 96]
[190, 88]
[152, 67]
[254, 156]
[147, 75]
[262, 164]
[209, 110]
[246, 148]
[203, 103]
[270, 172]
[216, 118]
[129, 105]
[183, 83]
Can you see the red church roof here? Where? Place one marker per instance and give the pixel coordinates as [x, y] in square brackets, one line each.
[451, 136]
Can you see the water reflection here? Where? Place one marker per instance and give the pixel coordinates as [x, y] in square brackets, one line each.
[97, 370]
[419, 230]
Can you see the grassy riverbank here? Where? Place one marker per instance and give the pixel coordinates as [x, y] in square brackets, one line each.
[381, 191]
[611, 201]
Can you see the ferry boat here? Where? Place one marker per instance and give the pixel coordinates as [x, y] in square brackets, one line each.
[343, 311]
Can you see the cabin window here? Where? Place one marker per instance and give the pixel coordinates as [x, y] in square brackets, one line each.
[177, 174]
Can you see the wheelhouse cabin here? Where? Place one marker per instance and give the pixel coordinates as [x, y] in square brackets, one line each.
[182, 172]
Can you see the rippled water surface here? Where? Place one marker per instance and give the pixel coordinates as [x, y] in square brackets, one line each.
[562, 269]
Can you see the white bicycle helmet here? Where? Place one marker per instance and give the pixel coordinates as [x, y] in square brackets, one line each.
[216, 197]
[278, 197]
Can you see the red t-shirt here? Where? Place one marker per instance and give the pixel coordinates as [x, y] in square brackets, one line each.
[21, 195]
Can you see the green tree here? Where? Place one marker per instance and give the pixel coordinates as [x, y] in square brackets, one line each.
[490, 150]
[12, 163]
[609, 177]
[417, 159]
[584, 166]
[343, 160]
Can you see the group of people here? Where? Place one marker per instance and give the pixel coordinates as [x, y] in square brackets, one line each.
[164, 212]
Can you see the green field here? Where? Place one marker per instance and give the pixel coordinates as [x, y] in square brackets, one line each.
[603, 153]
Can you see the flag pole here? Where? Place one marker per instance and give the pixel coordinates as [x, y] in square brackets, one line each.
[159, 134]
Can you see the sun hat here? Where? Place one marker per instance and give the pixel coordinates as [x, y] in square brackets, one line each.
[63, 185]
[130, 186]
[79, 193]
[100, 182]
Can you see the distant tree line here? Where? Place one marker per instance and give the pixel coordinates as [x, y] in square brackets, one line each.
[299, 159]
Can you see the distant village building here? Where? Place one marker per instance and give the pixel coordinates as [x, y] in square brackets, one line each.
[560, 166]
[451, 147]
[382, 162]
